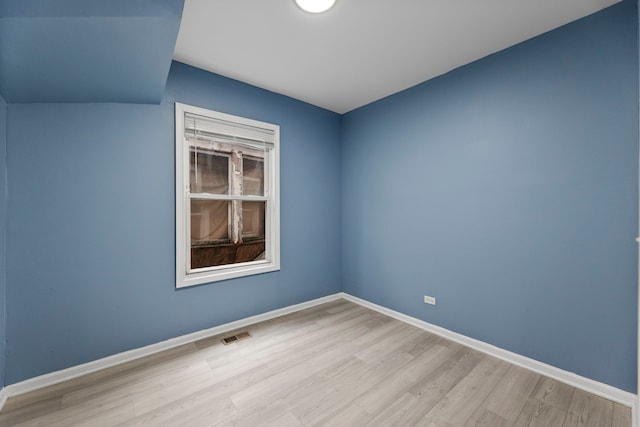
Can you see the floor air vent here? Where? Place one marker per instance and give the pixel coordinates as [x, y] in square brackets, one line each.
[236, 337]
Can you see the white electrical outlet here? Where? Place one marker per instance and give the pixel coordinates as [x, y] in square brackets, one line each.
[429, 300]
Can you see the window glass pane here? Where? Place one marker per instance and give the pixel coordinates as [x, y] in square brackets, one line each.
[253, 220]
[208, 172]
[211, 225]
[209, 231]
[253, 176]
[209, 221]
[253, 240]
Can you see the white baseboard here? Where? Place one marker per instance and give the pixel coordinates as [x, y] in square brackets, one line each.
[57, 377]
[600, 389]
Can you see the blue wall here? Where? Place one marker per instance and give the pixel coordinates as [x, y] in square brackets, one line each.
[91, 223]
[508, 189]
[3, 221]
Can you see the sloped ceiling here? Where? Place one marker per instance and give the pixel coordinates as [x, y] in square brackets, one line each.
[361, 50]
[86, 50]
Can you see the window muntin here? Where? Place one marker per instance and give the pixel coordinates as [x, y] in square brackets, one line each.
[227, 218]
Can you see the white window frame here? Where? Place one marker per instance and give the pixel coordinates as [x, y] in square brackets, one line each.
[186, 277]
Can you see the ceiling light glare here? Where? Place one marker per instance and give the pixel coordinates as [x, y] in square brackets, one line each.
[315, 6]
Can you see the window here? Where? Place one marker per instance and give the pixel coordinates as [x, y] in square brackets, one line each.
[227, 207]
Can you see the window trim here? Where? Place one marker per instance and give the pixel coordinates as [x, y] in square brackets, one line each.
[184, 278]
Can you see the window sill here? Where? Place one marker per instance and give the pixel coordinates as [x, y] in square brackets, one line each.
[225, 273]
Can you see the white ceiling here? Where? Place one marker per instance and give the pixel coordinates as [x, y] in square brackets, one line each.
[361, 50]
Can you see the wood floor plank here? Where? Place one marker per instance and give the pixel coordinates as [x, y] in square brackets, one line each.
[131, 380]
[587, 410]
[621, 416]
[335, 364]
[199, 409]
[29, 412]
[286, 420]
[108, 414]
[462, 401]
[429, 388]
[258, 415]
[483, 417]
[407, 410]
[397, 384]
[82, 382]
[512, 393]
[167, 390]
[211, 396]
[537, 413]
[554, 392]
[389, 343]
[340, 392]
[286, 372]
[285, 352]
[332, 389]
[446, 376]
[266, 389]
[350, 416]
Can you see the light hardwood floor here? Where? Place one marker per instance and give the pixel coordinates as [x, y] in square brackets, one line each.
[337, 364]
